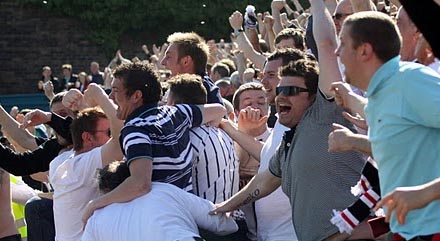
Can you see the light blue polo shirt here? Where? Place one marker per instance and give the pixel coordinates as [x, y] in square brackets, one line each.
[403, 113]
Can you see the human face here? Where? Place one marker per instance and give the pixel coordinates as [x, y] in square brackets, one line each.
[409, 35]
[348, 55]
[126, 104]
[290, 109]
[342, 11]
[286, 43]
[255, 99]
[94, 68]
[171, 60]
[100, 135]
[271, 79]
[67, 73]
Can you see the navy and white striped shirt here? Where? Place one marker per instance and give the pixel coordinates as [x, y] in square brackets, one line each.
[162, 135]
[215, 168]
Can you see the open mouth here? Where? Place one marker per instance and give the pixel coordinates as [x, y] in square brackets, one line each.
[284, 109]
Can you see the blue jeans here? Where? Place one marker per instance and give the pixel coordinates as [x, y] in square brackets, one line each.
[39, 219]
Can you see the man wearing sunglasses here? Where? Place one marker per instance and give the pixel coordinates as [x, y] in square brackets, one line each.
[315, 180]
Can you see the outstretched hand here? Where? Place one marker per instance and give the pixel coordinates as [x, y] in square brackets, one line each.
[35, 117]
[402, 200]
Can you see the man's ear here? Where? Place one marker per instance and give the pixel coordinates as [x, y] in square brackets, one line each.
[86, 138]
[137, 96]
[365, 51]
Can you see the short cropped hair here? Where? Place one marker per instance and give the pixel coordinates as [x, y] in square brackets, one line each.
[243, 88]
[287, 55]
[188, 89]
[305, 68]
[377, 29]
[86, 121]
[297, 35]
[140, 76]
[221, 68]
[191, 44]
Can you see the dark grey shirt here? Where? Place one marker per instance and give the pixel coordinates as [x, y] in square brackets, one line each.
[315, 180]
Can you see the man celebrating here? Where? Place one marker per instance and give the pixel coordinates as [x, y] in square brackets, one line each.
[154, 140]
[188, 54]
[402, 114]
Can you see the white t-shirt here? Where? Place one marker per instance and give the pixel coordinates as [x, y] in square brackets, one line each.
[166, 213]
[74, 180]
[274, 211]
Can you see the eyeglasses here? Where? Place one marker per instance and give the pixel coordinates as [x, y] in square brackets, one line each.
[339, 16]
[108, 132]
[290, 90]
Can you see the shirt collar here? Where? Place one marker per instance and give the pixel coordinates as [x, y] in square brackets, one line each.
[141, 109]
[382, 74]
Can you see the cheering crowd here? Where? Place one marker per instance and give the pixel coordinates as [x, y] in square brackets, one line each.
[311, 124]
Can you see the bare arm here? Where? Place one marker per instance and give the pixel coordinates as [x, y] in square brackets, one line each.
[324, 32]
[23, 137]
[276, 6]
[247, 142]
[260, 186]
[236, 21]
[342, 139]
[110, 151]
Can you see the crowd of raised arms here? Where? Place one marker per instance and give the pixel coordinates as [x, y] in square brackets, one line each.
[319, 124]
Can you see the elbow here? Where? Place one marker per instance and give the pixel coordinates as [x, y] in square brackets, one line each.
[142, 187]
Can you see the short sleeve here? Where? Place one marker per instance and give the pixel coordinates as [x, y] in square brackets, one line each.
[136, 143]
[275, 161]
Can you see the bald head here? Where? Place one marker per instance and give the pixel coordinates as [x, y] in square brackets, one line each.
[342, 11]
[409, 32]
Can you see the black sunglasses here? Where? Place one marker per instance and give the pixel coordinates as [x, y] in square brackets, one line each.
[290, 90]
[338, 16]
[108, 132]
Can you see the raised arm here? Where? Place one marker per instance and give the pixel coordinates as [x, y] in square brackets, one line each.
[277, 6]
[111, 151]
[236, 21]
[324, 32]
[21, 136]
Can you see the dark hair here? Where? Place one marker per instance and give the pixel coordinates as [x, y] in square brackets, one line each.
[222, 69]
[140, 76]
[86, 121]
[287, 55]
[112, 175]
[377, 29]
[307, 69]
[291, 33]
[188, 89]
[57, 98]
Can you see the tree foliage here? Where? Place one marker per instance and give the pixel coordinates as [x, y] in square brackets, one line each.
[110, 20]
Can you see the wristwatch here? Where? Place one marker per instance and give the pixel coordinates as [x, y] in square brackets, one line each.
[237, 32]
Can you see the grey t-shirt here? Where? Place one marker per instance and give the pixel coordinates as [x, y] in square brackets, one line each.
[315, 180]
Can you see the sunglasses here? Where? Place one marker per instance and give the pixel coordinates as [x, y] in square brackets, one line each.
[108, 132]
[290, 90]
[338, 16]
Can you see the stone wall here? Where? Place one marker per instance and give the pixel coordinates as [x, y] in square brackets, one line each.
[31, 38]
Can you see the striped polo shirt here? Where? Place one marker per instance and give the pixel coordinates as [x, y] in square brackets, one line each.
[215, 168]
[162, 135]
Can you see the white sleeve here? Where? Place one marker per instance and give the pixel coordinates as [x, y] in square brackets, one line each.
[219, 224]
[21, 192]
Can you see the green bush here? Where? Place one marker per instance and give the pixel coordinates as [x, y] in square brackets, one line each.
[110, 20]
